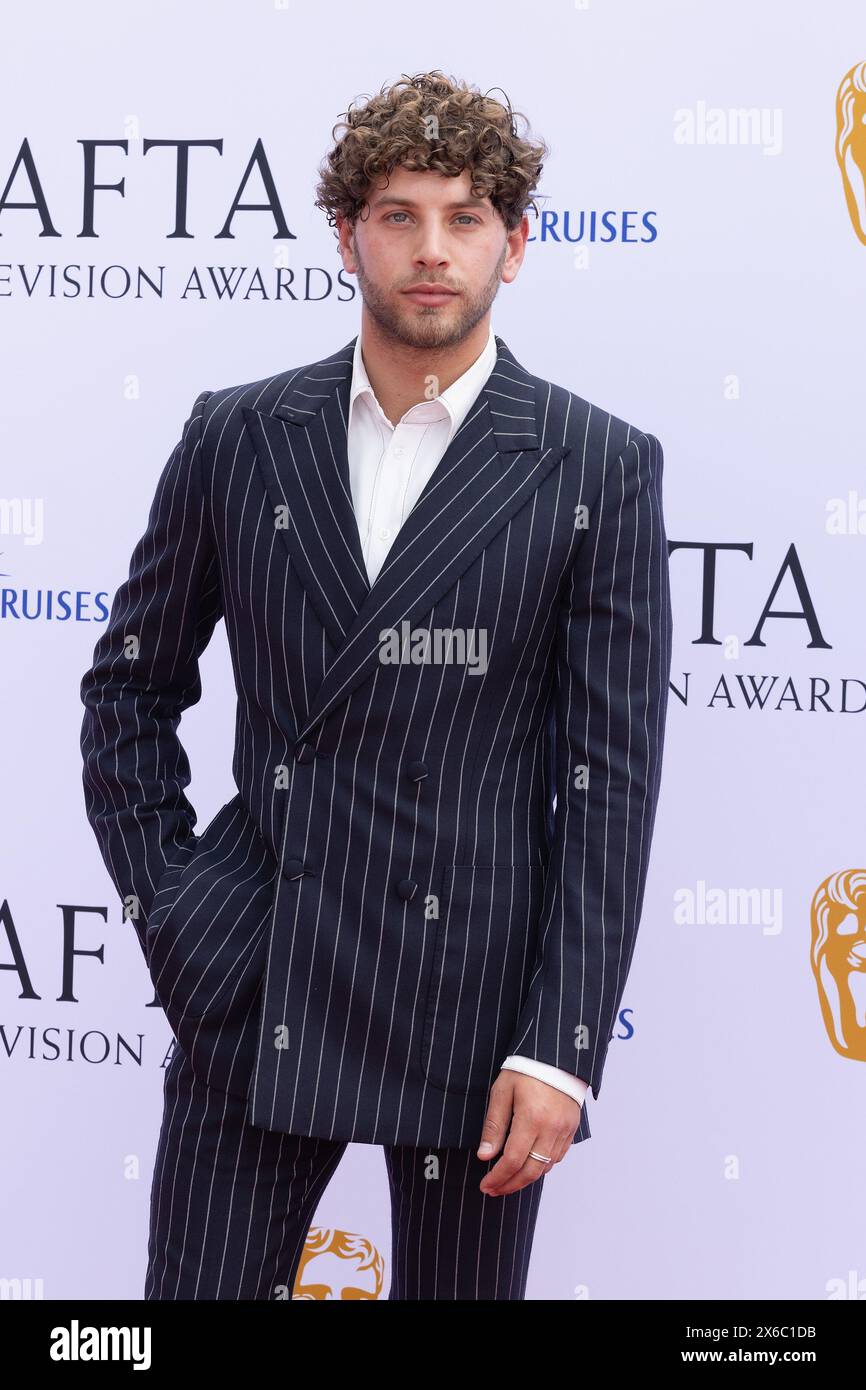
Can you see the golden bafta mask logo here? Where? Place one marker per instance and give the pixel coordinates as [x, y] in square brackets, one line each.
[338, 1264]
[839, 959]
[851, 144]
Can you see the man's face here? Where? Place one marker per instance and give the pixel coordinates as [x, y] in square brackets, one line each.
[427, 228]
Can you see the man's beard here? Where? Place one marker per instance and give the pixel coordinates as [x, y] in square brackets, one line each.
[428, 328]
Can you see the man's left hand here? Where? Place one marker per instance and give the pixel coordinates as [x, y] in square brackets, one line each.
[543, 1120]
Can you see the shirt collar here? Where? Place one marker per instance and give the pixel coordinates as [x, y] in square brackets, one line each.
[457, 398]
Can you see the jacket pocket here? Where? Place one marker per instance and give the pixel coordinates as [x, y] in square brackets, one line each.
[209, 934]
[484, 951]
[170, 878]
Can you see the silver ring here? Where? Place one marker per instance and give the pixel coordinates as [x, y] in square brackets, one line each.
[539, 1157]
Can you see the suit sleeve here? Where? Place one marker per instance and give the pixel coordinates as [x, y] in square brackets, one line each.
[143, 676]
[613, 657]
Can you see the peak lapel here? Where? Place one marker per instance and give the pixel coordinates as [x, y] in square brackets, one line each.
[300, 448]
[490, 469]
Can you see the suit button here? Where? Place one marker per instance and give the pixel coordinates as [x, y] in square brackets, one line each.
[305, 753]
[416, 771]
[406, 888]
[294, 868]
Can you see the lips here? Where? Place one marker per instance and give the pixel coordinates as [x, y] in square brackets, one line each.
[432, 297]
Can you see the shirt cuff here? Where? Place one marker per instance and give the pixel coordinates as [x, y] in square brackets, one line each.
[554, 1076]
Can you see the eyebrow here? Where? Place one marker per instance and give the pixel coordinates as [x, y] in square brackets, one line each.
[475, 203]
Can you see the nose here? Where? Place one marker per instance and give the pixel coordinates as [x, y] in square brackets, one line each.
[429, 249]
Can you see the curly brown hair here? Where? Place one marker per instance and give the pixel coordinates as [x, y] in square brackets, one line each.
[431, 121]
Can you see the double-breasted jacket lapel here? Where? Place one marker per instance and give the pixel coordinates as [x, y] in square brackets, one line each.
[493, 464]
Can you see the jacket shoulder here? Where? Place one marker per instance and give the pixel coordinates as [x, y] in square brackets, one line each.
[262, 394]
[589, 429]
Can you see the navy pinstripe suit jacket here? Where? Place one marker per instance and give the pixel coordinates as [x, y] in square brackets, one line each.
[392, 902]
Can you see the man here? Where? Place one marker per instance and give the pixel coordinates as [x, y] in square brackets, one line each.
[445, 589]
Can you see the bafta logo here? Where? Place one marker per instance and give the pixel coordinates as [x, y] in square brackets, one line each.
[839, 959]
[851, 144]
[338, 1264]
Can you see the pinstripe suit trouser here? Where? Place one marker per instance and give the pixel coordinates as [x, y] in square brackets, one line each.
[231, 1205]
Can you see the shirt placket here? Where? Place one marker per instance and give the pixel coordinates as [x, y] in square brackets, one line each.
[390, 488]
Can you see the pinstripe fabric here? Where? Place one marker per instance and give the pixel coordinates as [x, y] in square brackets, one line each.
[231, 1205]
[392, 903]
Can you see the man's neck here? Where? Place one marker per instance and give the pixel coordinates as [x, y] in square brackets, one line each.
[401, 376]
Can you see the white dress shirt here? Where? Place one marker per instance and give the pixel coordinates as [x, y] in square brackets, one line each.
[388, 467]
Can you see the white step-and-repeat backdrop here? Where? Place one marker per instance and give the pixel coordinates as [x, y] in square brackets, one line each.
[699, 269]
